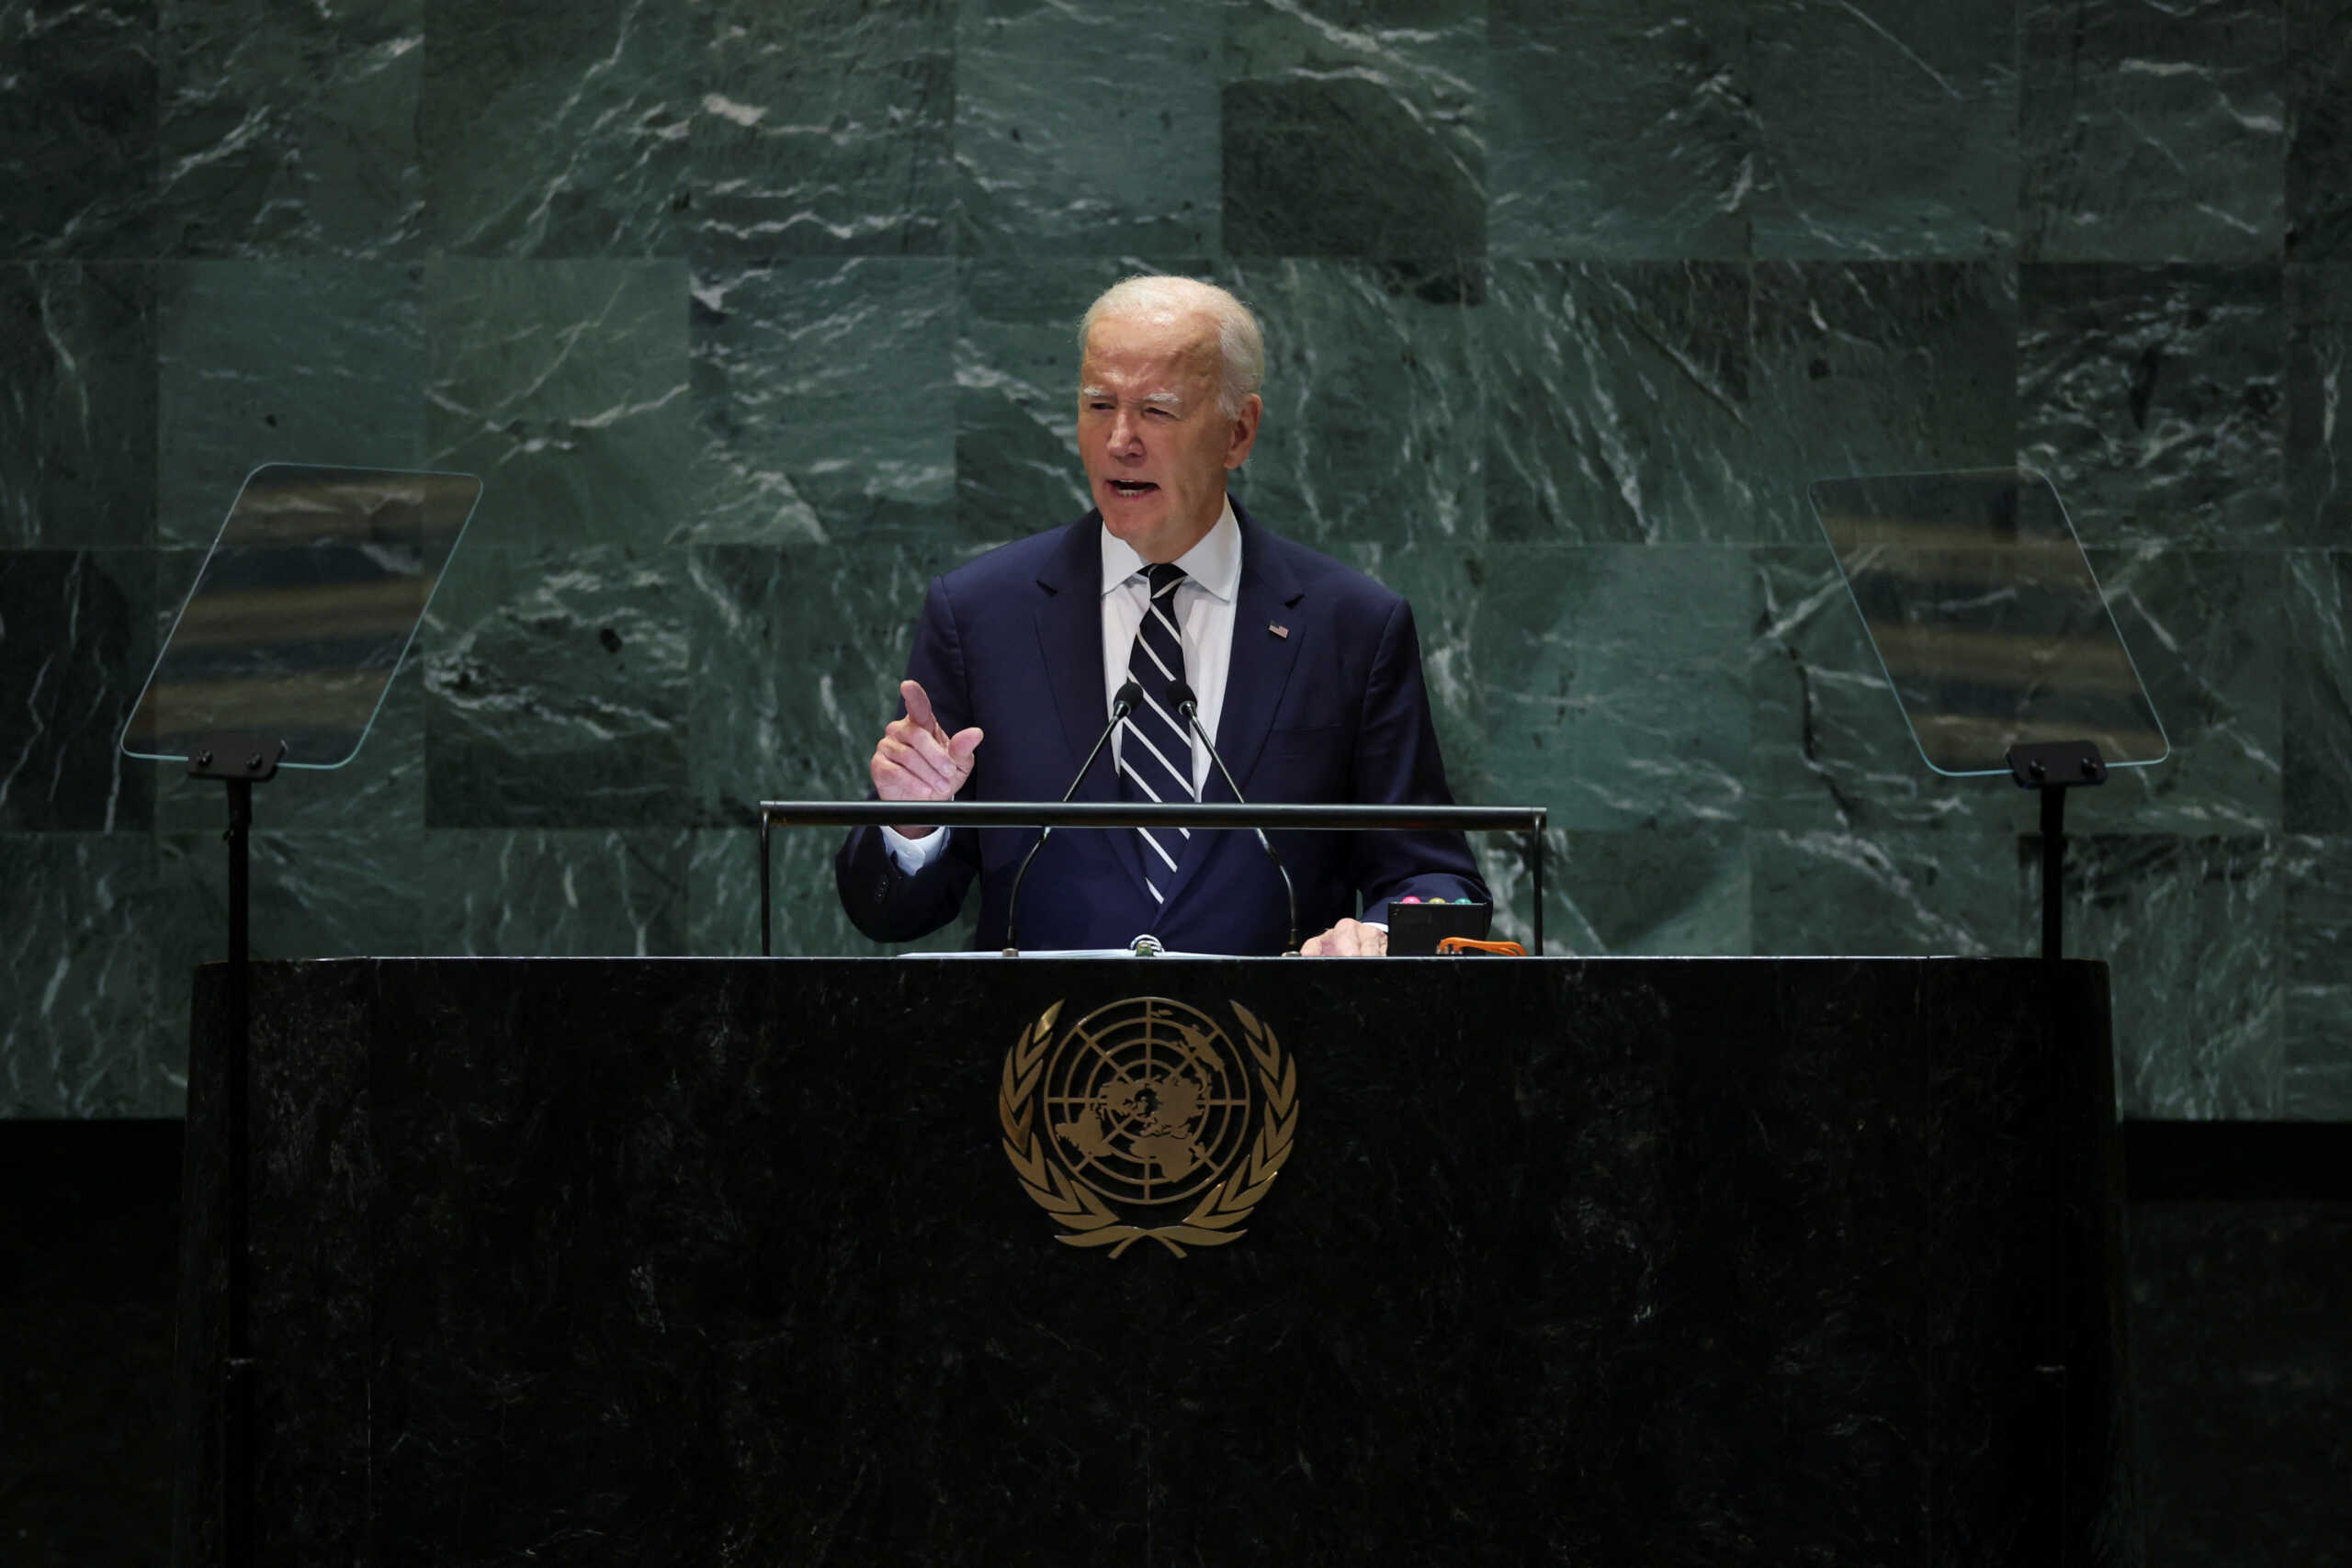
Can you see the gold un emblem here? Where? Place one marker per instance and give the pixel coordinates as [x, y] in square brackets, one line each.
[1143, 1120]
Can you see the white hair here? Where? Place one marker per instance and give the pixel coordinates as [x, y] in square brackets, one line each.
[1241, 348]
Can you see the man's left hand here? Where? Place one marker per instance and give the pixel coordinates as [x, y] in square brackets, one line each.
[1349, 939]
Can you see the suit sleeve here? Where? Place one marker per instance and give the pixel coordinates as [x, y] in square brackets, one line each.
[1397, 763]
[886, 902]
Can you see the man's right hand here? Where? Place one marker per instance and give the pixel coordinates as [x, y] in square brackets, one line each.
[919, 760]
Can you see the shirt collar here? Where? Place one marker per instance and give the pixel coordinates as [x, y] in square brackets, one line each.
[1214, 563]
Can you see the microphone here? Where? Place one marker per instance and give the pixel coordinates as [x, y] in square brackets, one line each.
[1180, 696]
[1123, 702]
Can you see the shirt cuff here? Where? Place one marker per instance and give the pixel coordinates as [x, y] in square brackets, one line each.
[913, 854]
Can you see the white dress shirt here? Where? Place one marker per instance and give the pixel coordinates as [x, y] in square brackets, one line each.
[1204, 608]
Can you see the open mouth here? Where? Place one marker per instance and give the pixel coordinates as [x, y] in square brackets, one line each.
[1132, 487]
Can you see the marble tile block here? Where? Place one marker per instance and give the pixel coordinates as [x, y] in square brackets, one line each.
[819, 127]
[2203, 629]
[824, 399]
[313, 893]
[1615, 680]
[2153, 132]
[2154, 399]
[556, 691]
[1016, 388]
[2319, 131]
[2189, 929]
[1828, 745]
[1619, 129]
[2319, 426]
[78, 128]
[1890, 131]
[2318, 1047]
[74, 651]
[562, 895]
[806, 918]
[2316, 692]
[795, 661]
[1902, 892]
[1638, 892]
[1087, 129]
[565, 386]
[84, 1034]
[1618, 406]
[1374, 398]
[555, 127]
[77, 404]
[291, 130]
[1876, 367]
[297, 362]
[1351, 128]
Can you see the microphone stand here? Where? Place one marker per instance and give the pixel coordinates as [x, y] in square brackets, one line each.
[1122, 703]
[1189, 705]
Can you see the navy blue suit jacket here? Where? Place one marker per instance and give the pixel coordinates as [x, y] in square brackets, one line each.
[1334, 711]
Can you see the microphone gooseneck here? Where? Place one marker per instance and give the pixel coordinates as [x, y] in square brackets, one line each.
[1181, 697]
[1123, 702]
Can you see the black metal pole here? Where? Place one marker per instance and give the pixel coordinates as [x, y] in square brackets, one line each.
[1535, 859]
[2053, 870]
[766, 949]
[237, 1394]
[1290, 816]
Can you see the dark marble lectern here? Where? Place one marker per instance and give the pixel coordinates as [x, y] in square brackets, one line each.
[717, 1261]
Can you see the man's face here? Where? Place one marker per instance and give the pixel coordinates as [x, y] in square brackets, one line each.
[1154, 443]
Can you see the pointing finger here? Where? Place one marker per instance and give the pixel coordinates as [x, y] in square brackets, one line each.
[918, 702]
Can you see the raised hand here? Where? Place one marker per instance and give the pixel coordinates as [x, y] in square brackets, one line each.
[919, 760]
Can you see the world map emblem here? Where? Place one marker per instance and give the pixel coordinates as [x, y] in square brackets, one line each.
[1144, 1120]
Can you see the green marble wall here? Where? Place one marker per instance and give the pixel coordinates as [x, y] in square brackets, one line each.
[755, 315]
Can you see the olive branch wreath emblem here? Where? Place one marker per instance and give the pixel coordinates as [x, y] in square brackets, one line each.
[1215, 1220]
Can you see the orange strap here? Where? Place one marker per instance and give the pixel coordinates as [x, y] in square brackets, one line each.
[1457, 945]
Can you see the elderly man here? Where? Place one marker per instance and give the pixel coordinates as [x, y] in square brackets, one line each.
[1307, 674]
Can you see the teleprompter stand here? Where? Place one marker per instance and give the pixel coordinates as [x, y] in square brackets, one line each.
[280, 659]
[2001, 650]
[1995, 636]
[239, 761]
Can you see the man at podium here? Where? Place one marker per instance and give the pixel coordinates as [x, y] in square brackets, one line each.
[1307, 676]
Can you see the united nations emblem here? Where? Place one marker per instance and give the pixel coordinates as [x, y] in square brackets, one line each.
[1139, 1108]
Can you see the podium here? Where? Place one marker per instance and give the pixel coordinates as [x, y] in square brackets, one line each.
[702, 1261]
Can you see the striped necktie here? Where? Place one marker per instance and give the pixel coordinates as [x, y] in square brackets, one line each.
[1156, 751]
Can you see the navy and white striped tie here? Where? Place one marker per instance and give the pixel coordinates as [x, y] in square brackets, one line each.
[1156, 751]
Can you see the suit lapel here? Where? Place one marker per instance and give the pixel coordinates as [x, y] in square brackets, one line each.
[1260, 671]
[1255, 677]
[1069, 640]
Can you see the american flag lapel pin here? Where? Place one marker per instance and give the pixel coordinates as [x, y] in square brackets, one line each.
[1278, 630]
